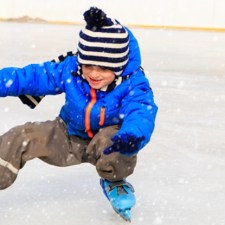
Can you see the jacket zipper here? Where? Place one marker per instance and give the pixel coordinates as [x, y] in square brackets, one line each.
[87, 120]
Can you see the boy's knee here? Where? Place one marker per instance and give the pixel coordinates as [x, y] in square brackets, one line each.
[103, 138]
[108, 131]
[100, 142]
[7, 178]
[115, 166]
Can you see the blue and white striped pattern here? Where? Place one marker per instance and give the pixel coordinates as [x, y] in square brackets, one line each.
[106, 46]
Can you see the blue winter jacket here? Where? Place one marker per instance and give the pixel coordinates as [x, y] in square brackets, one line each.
[130, 104]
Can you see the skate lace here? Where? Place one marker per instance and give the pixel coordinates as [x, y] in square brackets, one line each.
[121, 190]
[120, 185]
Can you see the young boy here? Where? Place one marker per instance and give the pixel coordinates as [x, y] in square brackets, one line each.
[108, 115]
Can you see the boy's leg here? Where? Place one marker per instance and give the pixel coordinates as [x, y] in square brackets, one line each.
[114, 166]
[46, 140]
[113, 169]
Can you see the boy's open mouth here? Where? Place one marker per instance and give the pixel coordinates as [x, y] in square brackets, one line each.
[94, 80]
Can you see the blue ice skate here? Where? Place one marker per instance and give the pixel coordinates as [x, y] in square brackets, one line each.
[121, 196]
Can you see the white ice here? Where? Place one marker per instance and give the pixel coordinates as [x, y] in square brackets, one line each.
[180, 176]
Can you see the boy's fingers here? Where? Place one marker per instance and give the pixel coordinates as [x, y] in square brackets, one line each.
[109, 150]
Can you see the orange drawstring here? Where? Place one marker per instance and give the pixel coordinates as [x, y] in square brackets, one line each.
[87, 120]
[102, 116]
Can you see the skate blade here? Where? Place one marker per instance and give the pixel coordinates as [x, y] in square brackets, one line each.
[125, 214]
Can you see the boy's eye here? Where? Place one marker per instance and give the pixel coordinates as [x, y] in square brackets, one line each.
[86, 66]
[103, 68]
[99, 67]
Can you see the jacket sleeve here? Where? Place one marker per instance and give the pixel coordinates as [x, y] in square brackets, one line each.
[35, 79]
[138, 112]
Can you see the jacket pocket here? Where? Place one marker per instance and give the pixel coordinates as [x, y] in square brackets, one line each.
[102, 116]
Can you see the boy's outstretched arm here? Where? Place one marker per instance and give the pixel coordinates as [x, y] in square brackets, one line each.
[31, 100]
[35, 79]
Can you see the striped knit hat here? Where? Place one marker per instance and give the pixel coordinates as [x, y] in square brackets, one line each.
[103, 42]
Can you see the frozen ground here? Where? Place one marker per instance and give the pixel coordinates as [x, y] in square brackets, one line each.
[180, 176]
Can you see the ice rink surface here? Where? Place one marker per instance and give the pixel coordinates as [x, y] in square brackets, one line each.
[180, 176]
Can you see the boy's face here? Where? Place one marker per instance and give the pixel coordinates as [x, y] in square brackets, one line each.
[97, 77]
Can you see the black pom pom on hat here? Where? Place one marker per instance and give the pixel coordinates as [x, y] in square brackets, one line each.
[96, 18]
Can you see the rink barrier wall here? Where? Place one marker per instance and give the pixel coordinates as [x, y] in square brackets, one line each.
[163, 27]
[212, 29]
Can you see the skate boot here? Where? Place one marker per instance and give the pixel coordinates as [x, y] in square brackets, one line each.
[121, 196]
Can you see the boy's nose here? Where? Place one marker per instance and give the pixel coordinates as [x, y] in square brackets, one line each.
[95, 72]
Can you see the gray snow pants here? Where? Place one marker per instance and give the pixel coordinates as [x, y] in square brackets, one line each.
[50, 142]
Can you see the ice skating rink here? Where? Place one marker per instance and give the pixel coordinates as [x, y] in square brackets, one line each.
[180, 176]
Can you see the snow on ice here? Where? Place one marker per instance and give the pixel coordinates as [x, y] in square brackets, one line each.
[179, 179]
